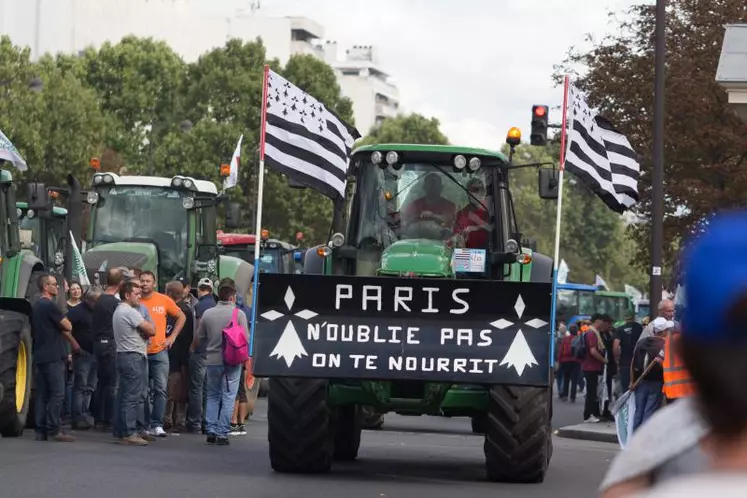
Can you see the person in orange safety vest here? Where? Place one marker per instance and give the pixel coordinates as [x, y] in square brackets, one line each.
[677, 381]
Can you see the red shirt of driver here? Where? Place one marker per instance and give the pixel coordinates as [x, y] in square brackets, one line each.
[473, 217]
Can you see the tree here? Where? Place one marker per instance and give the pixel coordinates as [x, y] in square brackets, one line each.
[411, 128]
[705, 142]
[57, 129]
[139, 84]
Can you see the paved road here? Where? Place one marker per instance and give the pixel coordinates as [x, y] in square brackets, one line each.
[400, 461]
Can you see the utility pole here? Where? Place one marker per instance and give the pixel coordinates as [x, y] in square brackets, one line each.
[657, 194]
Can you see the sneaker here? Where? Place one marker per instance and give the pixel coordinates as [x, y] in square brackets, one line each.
[133, 440]
[211, 439]
[40, 436]
[159, 432]
[592, 420]
[64, 438]
[234, 430]
[242, 430]
[222, 441]
[147, 437]
[81, 425]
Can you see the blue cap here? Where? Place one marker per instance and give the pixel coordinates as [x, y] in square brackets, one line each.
[715, 277]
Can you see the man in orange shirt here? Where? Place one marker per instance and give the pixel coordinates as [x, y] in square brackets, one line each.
[159, 306]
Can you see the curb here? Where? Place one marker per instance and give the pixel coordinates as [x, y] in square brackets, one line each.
[586, 435]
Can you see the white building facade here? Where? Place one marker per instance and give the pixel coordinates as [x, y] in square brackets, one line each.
[69, 26]
[732, 67]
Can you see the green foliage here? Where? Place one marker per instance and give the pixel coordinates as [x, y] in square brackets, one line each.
[593, 239]
[409, 129]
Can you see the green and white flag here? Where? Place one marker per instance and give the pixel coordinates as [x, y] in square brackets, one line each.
[79, 268]
[9, 153]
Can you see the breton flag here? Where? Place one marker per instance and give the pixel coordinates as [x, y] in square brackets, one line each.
[600, 156]
[304, 140]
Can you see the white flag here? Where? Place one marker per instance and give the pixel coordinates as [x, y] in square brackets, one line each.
[563, 272]
[599, 282]
[633, 292]
[9, 153]
[233, 177]
[600, 156]
[79, 268]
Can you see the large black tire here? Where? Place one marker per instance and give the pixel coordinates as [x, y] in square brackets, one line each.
[518, 442]
[15, 353]
[300, 429]
[347, 433]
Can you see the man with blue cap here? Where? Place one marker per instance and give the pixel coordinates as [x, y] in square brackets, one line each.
[706, 432]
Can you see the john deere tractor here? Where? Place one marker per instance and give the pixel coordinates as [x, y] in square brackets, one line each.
[36, 244]
[423, 302]
[165, 225]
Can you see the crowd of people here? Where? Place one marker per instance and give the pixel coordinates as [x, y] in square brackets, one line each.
[138, 363]
[601, 362]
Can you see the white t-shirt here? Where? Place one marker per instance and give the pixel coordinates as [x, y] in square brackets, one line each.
[703, 485]
[126, 333]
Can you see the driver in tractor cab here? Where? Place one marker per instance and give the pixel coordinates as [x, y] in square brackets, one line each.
[430, 207]
[472, 221]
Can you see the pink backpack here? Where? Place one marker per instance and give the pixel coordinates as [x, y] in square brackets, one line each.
[235, 345]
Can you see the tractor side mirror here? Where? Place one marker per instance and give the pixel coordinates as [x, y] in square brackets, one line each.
[233, 215]
[38, 197]
[548, 183]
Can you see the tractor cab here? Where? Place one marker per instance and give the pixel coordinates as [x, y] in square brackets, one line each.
[43, 234]
[430, 211]
[164, 225]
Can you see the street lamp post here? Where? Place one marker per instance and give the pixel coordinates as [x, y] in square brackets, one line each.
[657, 189]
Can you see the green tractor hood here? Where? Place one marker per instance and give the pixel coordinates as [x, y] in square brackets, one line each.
[141, 255]
[417, 257]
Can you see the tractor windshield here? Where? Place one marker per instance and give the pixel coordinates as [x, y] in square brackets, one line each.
[422, 201]
[271, 260]
[142, 214]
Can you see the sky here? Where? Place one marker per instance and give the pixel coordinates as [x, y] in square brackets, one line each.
[476, 65]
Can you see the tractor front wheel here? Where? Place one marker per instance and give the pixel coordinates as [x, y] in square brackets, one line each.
[15, 372]
[518, 440]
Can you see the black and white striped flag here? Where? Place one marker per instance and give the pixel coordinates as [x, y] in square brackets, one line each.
[600, 156]
[304, 140]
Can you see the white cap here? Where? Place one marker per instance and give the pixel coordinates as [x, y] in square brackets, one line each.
[205, 282]
[661, 324]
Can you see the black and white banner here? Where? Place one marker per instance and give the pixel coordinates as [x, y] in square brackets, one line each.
[601, 156]
[459, 331]
[304, 140]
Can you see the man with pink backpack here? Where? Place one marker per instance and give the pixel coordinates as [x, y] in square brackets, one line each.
[225, 330]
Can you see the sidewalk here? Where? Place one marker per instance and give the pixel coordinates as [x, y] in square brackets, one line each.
[603, 432]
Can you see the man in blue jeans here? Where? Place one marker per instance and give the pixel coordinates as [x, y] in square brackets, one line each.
[131, 332]
[222, 380]
[51, 332]
[648, 390]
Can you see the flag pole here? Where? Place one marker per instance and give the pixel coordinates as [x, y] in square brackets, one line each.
[258, 228]
[558, 216]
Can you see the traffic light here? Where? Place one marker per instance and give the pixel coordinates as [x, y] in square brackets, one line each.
[539, 125]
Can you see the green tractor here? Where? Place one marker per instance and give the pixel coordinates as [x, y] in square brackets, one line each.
[35, 240]
[164, 225]
[423, 302]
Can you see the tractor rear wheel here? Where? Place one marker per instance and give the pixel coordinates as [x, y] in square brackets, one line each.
[15, 372]
[347, 432]
[518, 441]
[300, 429]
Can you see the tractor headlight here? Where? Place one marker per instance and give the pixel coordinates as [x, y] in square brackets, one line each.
[92, 198]
[97, 179]
[376, 157]
[188, 202]
[337, 240]
[188, 183]
[391, 157]
[108, 179]
[177, 182]
[460, 162]
[512, 245]
[474, 164]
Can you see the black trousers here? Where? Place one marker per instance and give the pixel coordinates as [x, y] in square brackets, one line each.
[106, 389]
[570, 371]
[591, 406]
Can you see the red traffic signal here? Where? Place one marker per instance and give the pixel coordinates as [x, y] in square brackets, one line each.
[538, 134]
